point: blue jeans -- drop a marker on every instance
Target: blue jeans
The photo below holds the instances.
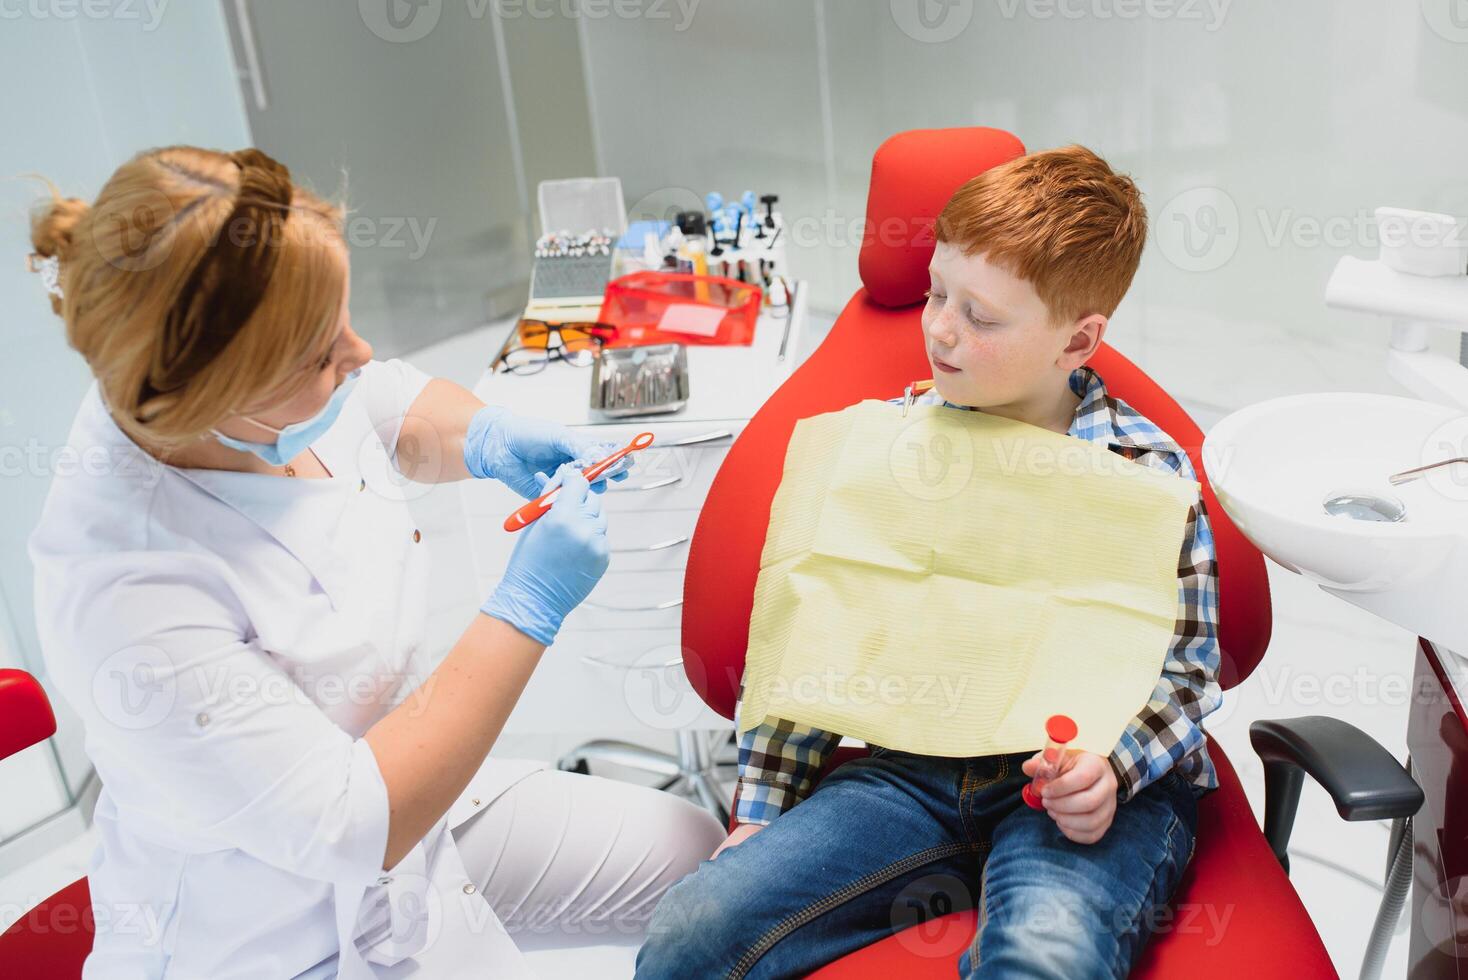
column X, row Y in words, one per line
column 895, row 840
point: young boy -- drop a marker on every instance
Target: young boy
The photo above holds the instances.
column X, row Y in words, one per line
column 1032, row 257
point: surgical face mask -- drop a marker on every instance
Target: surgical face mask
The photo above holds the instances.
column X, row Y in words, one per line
column 292, row 440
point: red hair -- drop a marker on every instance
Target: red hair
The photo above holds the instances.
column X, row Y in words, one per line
column 1062, row 220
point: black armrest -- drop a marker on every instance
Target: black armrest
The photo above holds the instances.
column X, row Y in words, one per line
column 1362, row 778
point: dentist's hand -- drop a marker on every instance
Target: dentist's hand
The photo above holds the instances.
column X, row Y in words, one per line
column 513, row 449
column 556, row 562
column 1082, row 799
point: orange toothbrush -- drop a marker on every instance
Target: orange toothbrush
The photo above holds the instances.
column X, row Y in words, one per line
column 532, row 512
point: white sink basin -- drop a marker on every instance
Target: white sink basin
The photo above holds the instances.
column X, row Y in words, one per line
column 1274, row 464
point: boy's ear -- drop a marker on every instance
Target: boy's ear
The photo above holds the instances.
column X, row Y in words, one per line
column 1085, row 337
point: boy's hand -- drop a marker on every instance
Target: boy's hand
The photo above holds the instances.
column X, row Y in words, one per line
column 1082, row 799
column 741, row 833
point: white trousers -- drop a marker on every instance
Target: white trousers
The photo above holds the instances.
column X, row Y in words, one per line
column 569, row 861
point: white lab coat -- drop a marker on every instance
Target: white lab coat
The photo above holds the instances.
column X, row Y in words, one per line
column 227, row 639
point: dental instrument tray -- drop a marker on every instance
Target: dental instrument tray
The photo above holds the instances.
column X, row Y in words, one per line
column 646, row 380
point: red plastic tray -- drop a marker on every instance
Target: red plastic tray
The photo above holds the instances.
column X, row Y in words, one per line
column 643, row 306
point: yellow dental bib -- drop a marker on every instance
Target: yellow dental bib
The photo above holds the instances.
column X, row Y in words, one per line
column 943, row 582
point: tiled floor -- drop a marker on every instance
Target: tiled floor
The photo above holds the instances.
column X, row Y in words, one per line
column 1337, row 865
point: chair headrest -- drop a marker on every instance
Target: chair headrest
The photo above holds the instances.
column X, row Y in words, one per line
column 913, row 176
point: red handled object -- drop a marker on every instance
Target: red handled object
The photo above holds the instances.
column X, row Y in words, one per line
column 531, row 512
column 1059, row 731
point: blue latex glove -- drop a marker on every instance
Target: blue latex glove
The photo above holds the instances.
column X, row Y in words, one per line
column 556, row 562
column 513, row 449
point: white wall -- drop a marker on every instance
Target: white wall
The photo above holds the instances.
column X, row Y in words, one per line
column 82, row 94
column 1254, row 128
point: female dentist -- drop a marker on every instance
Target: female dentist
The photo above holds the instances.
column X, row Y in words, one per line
column 231, row 593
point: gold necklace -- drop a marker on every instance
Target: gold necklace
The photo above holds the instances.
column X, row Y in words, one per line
column 291, row 470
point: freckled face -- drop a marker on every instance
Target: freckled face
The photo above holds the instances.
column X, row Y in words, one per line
column 988, row 334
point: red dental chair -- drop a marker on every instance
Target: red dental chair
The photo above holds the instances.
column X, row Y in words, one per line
column 51, row 941
column 873, row 351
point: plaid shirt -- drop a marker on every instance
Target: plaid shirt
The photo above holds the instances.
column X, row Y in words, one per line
column 778, row 763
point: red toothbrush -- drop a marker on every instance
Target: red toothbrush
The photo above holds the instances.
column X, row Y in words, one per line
column 532, row 511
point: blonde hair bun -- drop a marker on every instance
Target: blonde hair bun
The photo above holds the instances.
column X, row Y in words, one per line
column 53, row 223
column 148, row 270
